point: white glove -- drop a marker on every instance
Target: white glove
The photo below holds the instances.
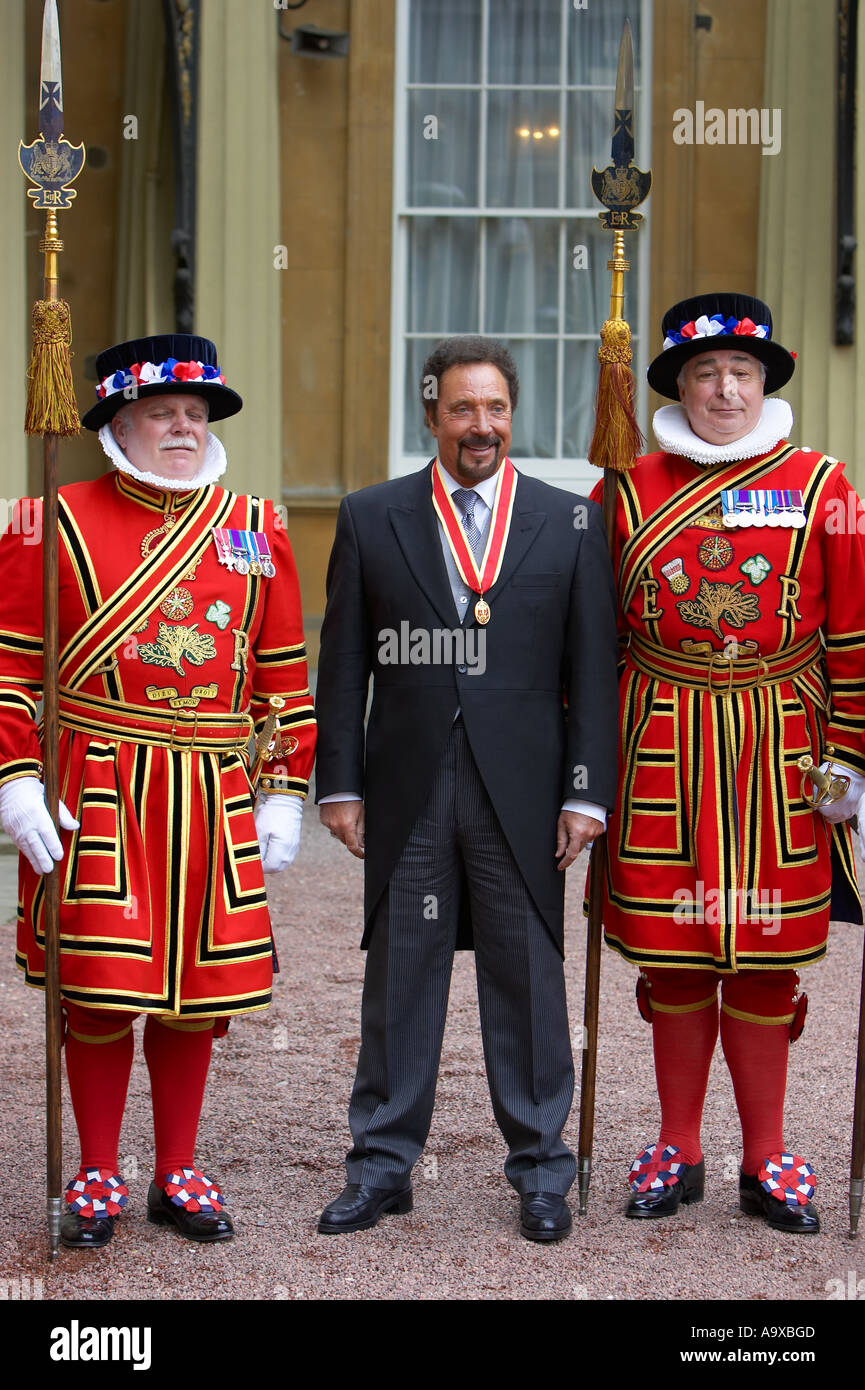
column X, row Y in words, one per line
column 277, row 824
column 24, row 816
column 845, row 806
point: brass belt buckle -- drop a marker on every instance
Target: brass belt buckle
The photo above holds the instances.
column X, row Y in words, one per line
column 710, row 685
column 187, row 745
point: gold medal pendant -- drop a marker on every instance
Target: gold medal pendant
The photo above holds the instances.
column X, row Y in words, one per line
column 482, row 611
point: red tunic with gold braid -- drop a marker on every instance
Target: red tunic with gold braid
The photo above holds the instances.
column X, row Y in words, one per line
column 167, row 661
column 744, row 650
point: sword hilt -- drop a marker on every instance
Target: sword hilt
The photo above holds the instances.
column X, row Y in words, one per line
column 265, row 744
column 826, row 786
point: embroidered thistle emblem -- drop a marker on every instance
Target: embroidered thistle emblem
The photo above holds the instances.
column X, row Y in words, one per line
column 175, row 643
column 716, row 601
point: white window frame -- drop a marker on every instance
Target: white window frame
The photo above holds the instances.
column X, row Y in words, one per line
column 576, row 474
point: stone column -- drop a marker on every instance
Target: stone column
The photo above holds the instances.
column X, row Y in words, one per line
column 796, row 264
column 237, row 294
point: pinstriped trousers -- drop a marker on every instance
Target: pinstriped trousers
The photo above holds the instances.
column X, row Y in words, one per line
column 521, row 995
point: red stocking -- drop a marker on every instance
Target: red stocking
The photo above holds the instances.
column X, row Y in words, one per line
column 684, row 1032
column 756, row 1014
column 99, row 1048
column 178, row 1061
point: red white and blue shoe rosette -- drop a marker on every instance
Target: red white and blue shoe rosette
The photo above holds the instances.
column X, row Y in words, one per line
column 193, row 1190
column 649, row 1173
column 96, row 1192
column 789, row 1178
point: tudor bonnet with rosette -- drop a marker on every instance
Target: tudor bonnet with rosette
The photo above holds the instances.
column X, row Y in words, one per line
column 732, row 322
column 156, row 366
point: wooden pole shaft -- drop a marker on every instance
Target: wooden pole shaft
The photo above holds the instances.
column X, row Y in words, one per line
column 51, row 245
column 857, row 1160
column 53, row 1109
column 594, row 933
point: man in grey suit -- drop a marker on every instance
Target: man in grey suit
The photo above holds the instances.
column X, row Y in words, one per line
column 482, row 603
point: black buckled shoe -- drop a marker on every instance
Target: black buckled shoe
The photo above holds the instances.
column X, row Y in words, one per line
column 191, row 1202
column 85, row 1232
column 660, row 1186
column 793, row 1180
column 544, row 1216
column 94, row 1197
column 359, row 1207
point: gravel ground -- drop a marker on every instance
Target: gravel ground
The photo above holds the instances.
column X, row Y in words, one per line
column 274, row 1133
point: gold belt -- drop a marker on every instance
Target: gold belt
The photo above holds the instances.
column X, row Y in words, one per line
column 721, row 673
column 182, row 731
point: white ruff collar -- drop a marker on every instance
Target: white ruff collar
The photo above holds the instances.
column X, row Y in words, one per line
column 675, row 435
column 215, row 464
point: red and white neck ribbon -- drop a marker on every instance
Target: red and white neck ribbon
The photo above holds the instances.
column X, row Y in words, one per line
column 483, row 576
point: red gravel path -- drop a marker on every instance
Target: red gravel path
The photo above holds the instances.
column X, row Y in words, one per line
column 274, row 1133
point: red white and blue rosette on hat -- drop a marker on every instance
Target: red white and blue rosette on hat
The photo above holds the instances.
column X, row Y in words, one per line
column 706, row 326
column 97, row 1192
column 193, row 1190
column 649, row 1173
column 152, row 373
column 789, row 1178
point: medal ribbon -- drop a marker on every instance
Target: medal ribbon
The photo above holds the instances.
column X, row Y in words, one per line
column 477, row 577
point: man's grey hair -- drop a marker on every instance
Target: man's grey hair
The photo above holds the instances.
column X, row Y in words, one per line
column 125, row 413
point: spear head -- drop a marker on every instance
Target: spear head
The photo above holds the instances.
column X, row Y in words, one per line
column 622, row 186
column 50, row 76
column 51, row 163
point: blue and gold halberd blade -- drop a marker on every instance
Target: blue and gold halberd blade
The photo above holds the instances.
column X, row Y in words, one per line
column 623, row 115
column 51, row 163
column 621, row 187
column 50, row 76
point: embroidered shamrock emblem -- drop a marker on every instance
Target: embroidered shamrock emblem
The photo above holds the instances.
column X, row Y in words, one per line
column 756, row 567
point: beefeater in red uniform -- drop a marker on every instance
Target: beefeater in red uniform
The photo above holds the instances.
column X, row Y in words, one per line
column 180, row 617
column 741, row 571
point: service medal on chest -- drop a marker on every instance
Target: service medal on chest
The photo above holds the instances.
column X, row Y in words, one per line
column 674, row 573
column 763, row 507
column 246, row 552
column 482, row 612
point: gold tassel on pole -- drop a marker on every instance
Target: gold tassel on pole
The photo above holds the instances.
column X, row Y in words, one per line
column 617, row 439
column 51, row 405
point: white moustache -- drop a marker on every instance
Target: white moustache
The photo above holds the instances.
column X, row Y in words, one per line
column 183, row 441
